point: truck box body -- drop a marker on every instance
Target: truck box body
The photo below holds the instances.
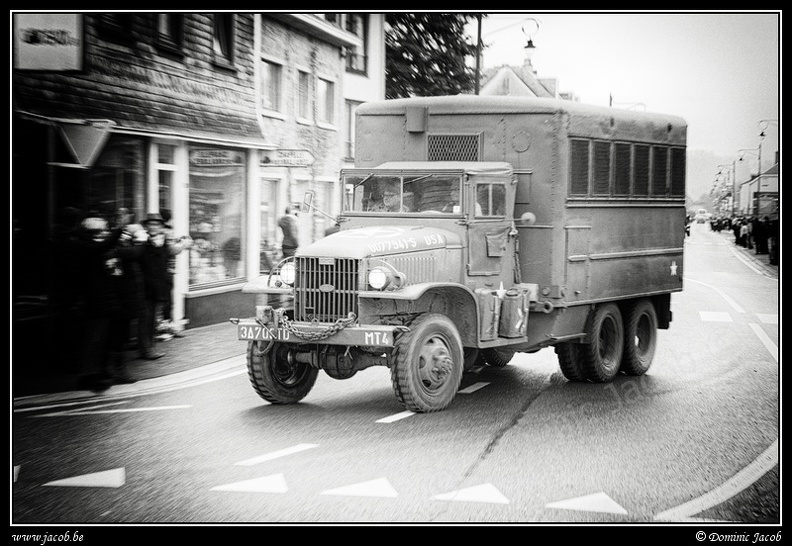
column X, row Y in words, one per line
column 584, row 246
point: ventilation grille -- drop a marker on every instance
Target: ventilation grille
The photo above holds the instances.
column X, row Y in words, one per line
column 454, row 147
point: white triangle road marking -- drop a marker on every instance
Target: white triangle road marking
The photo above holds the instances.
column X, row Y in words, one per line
column 479, row 493
column 715, row 316
column 16, row 472
column 374, row 488
column 108, row 478
column 267, row 484
column 597, row 502
column 395, row 417
column 276, row 454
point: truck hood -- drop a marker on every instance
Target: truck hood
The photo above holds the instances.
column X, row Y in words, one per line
column 380, row 241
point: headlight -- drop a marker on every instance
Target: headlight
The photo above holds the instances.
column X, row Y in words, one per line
column 378, row 278
column 288, row 273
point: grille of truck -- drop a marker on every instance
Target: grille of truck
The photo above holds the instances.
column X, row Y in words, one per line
column 326, row 289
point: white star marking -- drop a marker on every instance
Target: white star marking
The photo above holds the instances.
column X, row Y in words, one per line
column 673, row 268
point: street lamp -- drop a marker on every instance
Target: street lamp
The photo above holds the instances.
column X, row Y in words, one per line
column 529, row 47
column 764, row 124
column 758, row 153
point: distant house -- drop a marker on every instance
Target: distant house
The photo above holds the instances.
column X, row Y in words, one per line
column 521, row 81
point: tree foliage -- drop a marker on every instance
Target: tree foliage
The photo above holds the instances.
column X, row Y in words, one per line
column 426, row 55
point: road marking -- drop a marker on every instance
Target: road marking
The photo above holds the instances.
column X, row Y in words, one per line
column 16, row 471
column 767, row 319
column 276, row 454
column 395, row 417
column 374, row 488
column 275, row 483
column 108, row 478
column 730, row 301
column 731, row 487
column 597, row 502
column 93, row 411
column 766, row 341
column 715, row 316
column 487, row 493
column 474, row 387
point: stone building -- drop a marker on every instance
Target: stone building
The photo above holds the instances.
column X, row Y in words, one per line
column 218, row 120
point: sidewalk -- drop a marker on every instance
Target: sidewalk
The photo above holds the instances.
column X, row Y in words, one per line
column 760, row 262
column 199, row 347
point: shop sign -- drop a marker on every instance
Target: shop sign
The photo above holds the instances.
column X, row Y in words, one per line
column 288, row 158
column 48, row 41
column 215, row 157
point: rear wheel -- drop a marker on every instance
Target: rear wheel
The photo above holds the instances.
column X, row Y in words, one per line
column 640, row 337
column 603, row 354
column 427, row 364
column 276, row 375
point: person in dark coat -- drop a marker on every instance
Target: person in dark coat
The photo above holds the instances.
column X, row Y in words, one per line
column 290, row 229
column 131, row 249
column 101, row 274
column 155, row 275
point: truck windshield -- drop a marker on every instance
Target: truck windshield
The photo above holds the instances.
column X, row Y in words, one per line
column 398, row 193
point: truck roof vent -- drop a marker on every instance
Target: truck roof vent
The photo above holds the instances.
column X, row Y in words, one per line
column 454, row 147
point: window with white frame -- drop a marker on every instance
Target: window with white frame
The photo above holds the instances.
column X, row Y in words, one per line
column 326, row 101
column 271, row 85
column 170, row 31
column 356, row 56
column 304, row 95
column 350, row 107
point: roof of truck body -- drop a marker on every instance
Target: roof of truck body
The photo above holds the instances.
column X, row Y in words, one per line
column 469, row 167
column 478, row 104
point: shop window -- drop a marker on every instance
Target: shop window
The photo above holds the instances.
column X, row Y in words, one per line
column 117, row 179
column 268, row 252
column 217, row 216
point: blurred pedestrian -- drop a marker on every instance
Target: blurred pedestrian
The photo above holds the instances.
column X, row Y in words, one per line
column 131, row 249
column 101, row 274
column 291, row 234
column 155, row 271
column 166, row 326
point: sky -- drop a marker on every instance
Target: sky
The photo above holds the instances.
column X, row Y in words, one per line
column 717, row 70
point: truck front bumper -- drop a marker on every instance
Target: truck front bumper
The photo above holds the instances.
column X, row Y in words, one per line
column 364, row 336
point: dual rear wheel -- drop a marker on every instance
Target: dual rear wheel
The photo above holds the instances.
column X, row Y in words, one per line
column 617, row 344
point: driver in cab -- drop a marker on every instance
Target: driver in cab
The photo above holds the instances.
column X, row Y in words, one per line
column 391, row 200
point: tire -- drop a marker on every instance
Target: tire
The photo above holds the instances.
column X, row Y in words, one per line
column 640, row 337
column 569, row 360
column 276, row 376
column 497, row 358
column 603, row 354
column 426, row 364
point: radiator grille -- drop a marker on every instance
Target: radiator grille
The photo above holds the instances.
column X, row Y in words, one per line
column 326, row 289
column 453, row 148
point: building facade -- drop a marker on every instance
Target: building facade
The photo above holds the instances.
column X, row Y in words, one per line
column 218, row 121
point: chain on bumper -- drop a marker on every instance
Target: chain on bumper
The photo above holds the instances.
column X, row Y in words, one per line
column 325, row 333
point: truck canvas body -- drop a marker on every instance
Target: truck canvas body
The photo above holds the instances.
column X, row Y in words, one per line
column 567, row 232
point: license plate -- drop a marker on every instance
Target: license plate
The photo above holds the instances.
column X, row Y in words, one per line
column 255, row 333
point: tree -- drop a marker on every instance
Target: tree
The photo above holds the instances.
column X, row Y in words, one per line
column 426, row 54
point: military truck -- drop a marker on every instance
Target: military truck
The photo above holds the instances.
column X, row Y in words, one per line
column 475, row 228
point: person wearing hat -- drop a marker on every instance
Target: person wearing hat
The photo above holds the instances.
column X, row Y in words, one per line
column 154, row 266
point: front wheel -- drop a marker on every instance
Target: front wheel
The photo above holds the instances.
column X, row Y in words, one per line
column 276, row 375
column 427, row 363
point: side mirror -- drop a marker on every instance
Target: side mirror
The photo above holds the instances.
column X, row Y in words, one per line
column 307, row 201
